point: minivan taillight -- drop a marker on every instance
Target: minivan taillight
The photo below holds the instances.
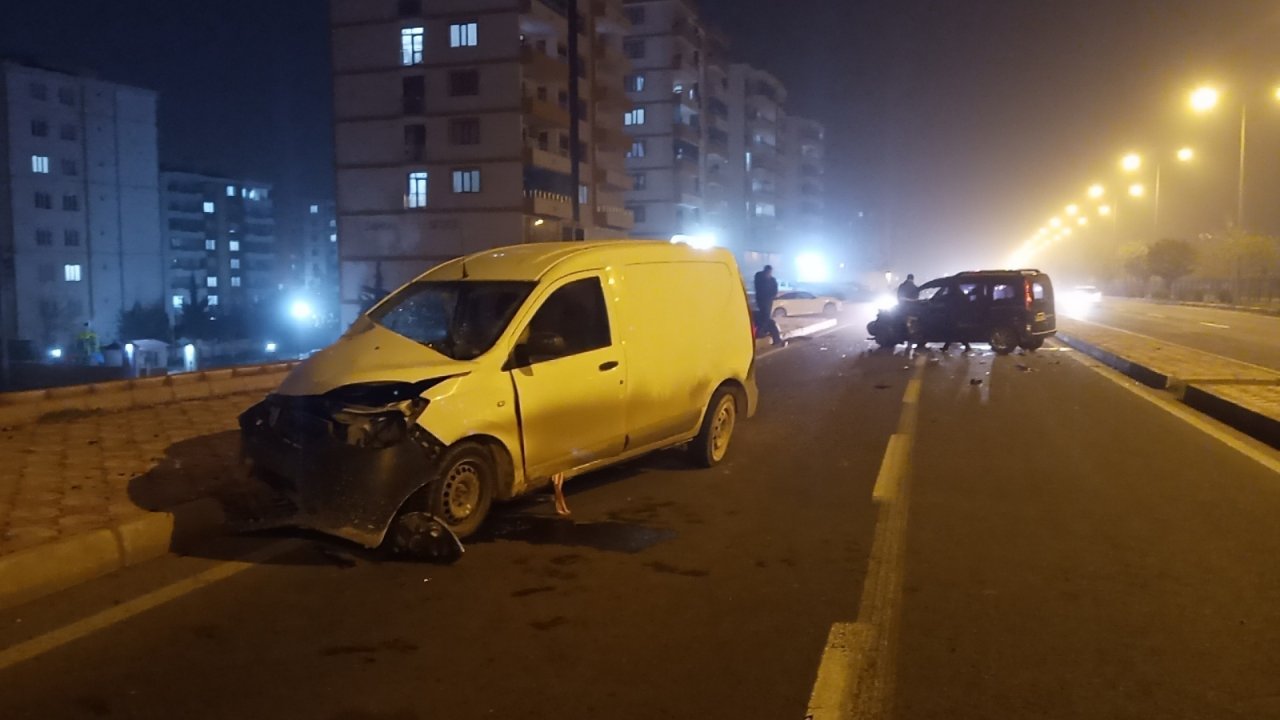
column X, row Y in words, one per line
column 1026, row 291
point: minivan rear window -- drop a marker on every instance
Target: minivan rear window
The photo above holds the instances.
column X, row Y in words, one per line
column 1037, row 291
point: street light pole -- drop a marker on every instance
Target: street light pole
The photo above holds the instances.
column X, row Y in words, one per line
column 1155, row 222
column 1240, row 186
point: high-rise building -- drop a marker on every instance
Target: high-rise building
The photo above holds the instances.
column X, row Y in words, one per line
column 753, row 172
column 79, row 205
column 454, row 131
column 665, row 117
column 221, row 245
column 803, row 149
column 317, row 263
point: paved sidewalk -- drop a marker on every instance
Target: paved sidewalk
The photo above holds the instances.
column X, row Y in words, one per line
column 63, row 477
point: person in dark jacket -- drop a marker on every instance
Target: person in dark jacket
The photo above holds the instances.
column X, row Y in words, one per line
column 766, row 293
column 908, row 290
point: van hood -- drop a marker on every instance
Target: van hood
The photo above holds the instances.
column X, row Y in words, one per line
column 370, row 353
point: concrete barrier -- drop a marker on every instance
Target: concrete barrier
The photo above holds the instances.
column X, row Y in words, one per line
column 33, row 405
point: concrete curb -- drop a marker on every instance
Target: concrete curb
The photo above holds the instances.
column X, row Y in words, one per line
column 1195, row 396
column 762, row 343
column 38, row 571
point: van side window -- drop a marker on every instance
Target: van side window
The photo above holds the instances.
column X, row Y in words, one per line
column 575, row 312
column 1004, row 293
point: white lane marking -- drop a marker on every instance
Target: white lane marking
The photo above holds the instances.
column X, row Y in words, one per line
column 1156, row 315
column 856, row 673
column 1180, row 345
column 1216, row 325
column 55, row 639
column 1242, row 444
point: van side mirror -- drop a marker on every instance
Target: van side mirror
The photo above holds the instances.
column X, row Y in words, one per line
column 541, row 345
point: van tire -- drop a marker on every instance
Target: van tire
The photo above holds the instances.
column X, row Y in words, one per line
column 1033, row 344
column 1004, row 339
column 711, row 446
column 462, row 491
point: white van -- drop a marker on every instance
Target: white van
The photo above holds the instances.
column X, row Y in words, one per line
column 486, row 375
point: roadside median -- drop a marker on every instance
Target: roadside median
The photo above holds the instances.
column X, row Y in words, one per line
column 1239, row 394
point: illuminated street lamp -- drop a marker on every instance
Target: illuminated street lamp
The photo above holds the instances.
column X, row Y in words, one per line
column 1137, row 190
column 1104, row 210
column 1073, row 209
column 1204, row 99
column 1096, row 191
column 1131, row 162
column 1055, row 222
column 1186, row 154
column 1082, row 221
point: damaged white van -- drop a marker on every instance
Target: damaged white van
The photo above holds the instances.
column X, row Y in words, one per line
column 486, row 375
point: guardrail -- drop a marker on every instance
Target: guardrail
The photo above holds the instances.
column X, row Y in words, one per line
column 36, row 405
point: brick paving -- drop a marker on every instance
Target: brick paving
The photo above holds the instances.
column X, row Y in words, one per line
column 79, row 473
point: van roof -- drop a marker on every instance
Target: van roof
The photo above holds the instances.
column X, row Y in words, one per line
column 533, row 260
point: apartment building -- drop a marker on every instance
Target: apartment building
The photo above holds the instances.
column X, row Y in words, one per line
column 317, row 262
column 803, row 149
column 753, row 173
column 665, row 118
column 221, row 246
column 455, row 124
column 79, row 206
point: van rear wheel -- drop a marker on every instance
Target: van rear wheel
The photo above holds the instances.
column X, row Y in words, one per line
column 718, row 423
column 1004, row 339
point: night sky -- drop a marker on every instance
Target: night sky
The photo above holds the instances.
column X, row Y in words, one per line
column 961, row 125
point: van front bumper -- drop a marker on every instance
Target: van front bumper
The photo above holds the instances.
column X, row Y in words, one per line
column 339, row 481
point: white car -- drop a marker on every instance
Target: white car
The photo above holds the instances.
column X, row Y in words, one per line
column 804, row 303
column 1088, row 294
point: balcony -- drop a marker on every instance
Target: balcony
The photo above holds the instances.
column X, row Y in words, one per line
column 614, row 217
column 615, row 178
column 547, row 204
column 545, row 113
column 534, row 157
column 541, row 66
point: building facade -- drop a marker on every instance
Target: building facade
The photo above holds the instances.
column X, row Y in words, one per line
column 665, row 118
column 753, row 173
column 803, row 208
column 221, row 243
column 317, row 264
column 454, row 127
column 79, row 206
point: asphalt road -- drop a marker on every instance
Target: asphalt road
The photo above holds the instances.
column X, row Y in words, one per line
column 1251, row 337
column 1073, row 550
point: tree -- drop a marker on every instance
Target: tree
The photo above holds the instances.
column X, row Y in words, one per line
column 1170, row 259
column 144, row 322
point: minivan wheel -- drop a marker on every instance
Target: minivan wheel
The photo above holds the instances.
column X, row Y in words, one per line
column 1033, row 344
column 1004, row 339
column 462, row 492
column 779, row 313
column 712, row 443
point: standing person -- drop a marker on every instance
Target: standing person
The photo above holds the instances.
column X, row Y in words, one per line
column 908, row 290
column 766, row 293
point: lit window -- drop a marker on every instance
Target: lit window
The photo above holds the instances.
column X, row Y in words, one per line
column 333, row 237
column 40, row 164
column 213, row 300
column 211, row 281
column 582, row 194
column 235, row 263
column 210, row 244
column 635, row 117
column 635, row 83
column 462, row 35
column 235, row 281
column 417, row 195
column 71, row 273
column 231, row 191
column 208, row 207
column 637, row 149
column 233, row 245
column 411, row 46
column 466, row 181
column 178, row 301
column 315, row 209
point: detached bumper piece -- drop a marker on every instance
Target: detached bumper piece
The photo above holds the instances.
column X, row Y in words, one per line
column 348, row 468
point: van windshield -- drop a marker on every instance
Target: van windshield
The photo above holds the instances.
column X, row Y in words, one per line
column 459, row 319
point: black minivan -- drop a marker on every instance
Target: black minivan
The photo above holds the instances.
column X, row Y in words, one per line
column 1007, row 308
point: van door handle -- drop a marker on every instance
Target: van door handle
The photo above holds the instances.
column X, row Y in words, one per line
column 607, row 366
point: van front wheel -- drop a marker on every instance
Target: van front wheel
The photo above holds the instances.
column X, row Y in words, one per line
column 463, row 491
column 712, row 443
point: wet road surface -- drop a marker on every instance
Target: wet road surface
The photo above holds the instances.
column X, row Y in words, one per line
column 1072, row 550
